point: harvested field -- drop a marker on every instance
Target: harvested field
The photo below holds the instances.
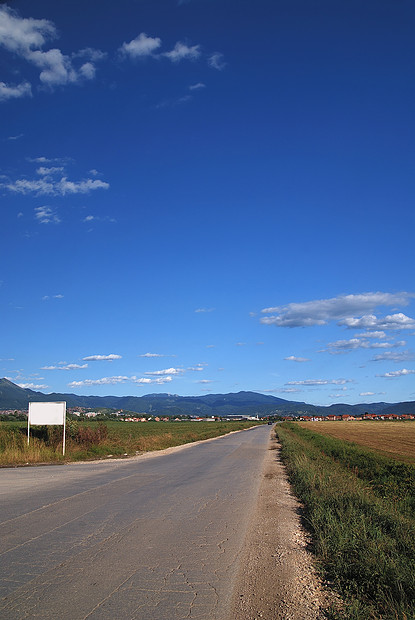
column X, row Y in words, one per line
column 396, row 439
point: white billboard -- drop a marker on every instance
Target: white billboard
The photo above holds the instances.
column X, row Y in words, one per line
column 47, row 413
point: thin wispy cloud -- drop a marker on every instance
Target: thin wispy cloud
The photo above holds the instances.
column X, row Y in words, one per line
column 293, row 358
column 46, row 215
column 345, row 346
column 203, row 310
column 65, row 367
column 102, row 358
column 217, row 61
column 394, row 356
column 318, row 382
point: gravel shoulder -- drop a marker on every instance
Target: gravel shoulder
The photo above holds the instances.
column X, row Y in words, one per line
column 278, row 578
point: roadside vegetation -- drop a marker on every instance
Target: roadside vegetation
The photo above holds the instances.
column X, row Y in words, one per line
column 359, row 506
column 92, row 440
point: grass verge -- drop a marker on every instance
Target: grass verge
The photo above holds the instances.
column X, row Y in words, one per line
column 359, row 508
column 92, row 440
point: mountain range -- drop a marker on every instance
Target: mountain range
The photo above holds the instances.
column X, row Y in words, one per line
column 13, row 396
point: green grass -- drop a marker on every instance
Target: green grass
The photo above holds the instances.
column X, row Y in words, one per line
column 91, row 440
column 359, row 508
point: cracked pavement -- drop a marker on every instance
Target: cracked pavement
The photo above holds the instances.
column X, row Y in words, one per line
column 143, row 538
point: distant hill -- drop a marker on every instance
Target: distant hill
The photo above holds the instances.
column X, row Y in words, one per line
column 247, row 403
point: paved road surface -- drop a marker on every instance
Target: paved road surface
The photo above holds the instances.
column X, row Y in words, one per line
column 146, row 539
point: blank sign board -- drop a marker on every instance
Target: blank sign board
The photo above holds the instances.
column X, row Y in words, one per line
column 47, row 413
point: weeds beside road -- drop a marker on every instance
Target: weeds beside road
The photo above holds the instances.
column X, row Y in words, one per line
column 92, row 440
column 359, row 507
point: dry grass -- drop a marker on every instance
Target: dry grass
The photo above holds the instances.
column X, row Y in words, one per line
column 396, row 439
column 91, row 442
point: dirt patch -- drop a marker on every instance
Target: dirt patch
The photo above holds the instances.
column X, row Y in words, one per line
column 278, row 579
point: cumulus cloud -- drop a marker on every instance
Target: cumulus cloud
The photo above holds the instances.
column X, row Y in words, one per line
column 141, row 46
column 293, row 358
column 25, row 37
column 99, row 358
column 389, row 322
column 46, row 215
column 9, row 91
column 166, row 371
column 48, row 186
column 375, row 334
column 342, row 308
column 181, row 51
column 397, row 373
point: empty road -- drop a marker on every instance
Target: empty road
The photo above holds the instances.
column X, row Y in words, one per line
column 147, row 538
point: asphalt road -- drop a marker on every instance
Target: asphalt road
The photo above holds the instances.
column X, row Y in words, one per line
column 155, row 538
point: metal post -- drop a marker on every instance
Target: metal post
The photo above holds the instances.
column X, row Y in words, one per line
column 64, row 427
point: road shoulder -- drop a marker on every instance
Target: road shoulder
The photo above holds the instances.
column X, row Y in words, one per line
column 277, row 578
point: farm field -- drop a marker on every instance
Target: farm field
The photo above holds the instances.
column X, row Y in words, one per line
column 359, row 507
column 91, row 440
column 396, row 439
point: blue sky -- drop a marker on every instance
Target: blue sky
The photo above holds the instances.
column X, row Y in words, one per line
column 208, row 196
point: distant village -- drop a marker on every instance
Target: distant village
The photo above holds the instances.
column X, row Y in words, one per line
column 130, row 416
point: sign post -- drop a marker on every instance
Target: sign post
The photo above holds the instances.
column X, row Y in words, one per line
column 49, row 414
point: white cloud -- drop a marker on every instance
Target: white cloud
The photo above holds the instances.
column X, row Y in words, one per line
column 204, row 381
column 26, row 37
column 198, row 310
column 197, row 86
column 397, row 373
column 154, row 355
column 66, row 367
column 51, row 187
column 8, row 91
column 197, row 368
column 119, row 379
column 46, row 297
column 166, row 371
column 140, row 46
column 375, row 334
column 216, row 61
column 293, row 358
column 344, row 346
column 389, row 322
column 181, row 51
column 98, row 358
column 315, row 382
column 47, row 172
column 32, row 386
column 393, row 356
column 366, row 393
column 46, row 215
column 240, row 344
column 341, row 308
